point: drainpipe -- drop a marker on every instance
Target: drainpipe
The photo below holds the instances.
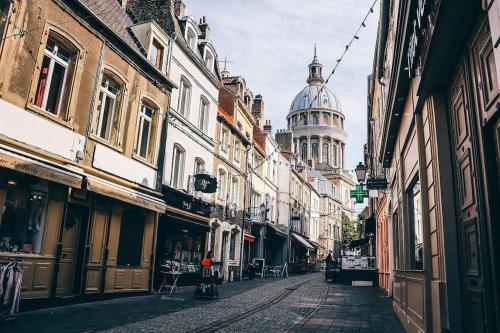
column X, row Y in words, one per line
column 245, row 199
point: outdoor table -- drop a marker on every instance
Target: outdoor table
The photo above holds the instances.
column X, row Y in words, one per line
column 175, row 277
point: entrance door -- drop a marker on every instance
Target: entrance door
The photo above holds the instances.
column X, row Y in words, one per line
column 469, row 224
column 96, row 249
column 75, row 217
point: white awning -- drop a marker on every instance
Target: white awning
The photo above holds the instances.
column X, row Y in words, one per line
column 30, row 164
column 126, row 194
column 302, row 241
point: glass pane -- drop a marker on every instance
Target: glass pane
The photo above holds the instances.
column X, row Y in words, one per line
column 144, row 138
column 4, row 12
column 42, row 82
column 56, row 89
column 107, row 118
column 417, row 225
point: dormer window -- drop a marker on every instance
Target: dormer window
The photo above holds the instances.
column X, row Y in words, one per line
column 191, row 39
column 209, row 60
column 156, row 54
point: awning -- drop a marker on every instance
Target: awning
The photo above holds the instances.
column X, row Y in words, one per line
column 192, row 222
column 126, row 194
column 276, row 230
column 27, row 163
column 249, row 238
column 302, row 241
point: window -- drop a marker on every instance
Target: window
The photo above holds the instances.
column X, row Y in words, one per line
column 304, row 152
column 275, row 168
column 237, row 151
column 314, row 149
column 334, row 154
column 145, row 143
column 4, row 14
column 156, row 54
column 235, row 188
column 55, row 77
column 23, row 214
column 315, row 119
column 184, row 97
column 209, row 60
column 177, row 177
column 131, row 238
column 204, row 115
column 221, row 189
column 232, row 244
column 416, row 232
column 108, row 109
column 191, row 39
column 304, row 119
column 199, row 165
column 224, row 140
column 326, row 156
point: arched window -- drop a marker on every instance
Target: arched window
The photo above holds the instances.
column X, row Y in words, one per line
column 56, row 75
column 109, row 108
column 334, row 155
column 314, row 151
column 315, row 119
column 184, row 97
column 221, row 184
column 199, row 165
column 304, row 152
column 326, row 119
column 204, row 114
column 178, row 157
column 145, row 143
column 209, row 60
column 326, row 156
column 191, row 39
column 303, row 117
column 235, row 190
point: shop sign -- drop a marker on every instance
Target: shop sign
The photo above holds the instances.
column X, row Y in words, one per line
column 37, row 169
column 205, row 183
column 186, row 202
column 359, row 194
column 376, row 183
column 421, row 30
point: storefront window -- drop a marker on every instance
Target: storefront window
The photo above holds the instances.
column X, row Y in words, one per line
column 232, row 245
column 185, row 250
column 416, row 225
column 22, row 215
column 131, row 238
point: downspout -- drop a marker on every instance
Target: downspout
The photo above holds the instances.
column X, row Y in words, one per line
column 245, row 199
column 384, row 20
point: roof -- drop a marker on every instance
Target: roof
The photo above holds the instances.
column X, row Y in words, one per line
column 224, row 113
column 114, row 17
column 325, row 100
column 230, row 79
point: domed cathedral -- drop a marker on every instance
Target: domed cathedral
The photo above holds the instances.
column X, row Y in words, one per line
column 318, row 132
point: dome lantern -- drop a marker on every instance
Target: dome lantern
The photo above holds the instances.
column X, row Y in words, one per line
column 315, row 69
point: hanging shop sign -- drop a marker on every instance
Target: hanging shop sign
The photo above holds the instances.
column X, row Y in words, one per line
column 379, row 183
column 359, row 194
column 421, row 27
column 205, row 183
column 186, row 202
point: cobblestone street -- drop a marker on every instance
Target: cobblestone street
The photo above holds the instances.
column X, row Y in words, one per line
column 303, row 303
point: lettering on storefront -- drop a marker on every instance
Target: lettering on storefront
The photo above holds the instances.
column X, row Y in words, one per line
column 13, row 163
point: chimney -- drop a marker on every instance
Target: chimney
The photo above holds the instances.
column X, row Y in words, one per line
column 284, row 139
column 179, row 8
column 204, row 27
column 268, row 128
column 258, row 109
column 310, row 162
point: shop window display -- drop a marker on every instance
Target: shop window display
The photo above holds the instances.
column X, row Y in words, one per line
column 22, row 216
column 131, row 239
column 185, row 250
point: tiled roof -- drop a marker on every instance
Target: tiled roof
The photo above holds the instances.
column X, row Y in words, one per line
column 115, row 17
column 230, row 79
column 225, row 114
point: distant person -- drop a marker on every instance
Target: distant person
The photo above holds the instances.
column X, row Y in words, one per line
column 329, row 267
column 207, row 261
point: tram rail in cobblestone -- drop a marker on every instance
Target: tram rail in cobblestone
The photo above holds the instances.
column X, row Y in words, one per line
column 231, row 320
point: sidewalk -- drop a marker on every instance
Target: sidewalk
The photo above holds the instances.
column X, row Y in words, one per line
column 96, row 316
column 348, row 309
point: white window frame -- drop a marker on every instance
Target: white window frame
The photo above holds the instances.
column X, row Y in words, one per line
column 106, row 93
column 54, row 58
column 191, row 39
column 142, row 118
column 221, row 190
column 224, row 139
column 177, row 182
column 236, row 151
column 235, row 188
column 209, row 60
column 204, row 114
column 184, row 101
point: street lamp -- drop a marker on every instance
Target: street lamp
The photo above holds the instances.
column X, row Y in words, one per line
column 360, row 172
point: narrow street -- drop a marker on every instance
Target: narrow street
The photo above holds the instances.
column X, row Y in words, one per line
column 303, row 303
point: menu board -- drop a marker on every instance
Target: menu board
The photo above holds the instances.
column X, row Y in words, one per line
column 259, row 265
column 355, row 262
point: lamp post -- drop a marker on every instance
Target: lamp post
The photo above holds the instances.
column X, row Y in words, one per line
column 360, row 172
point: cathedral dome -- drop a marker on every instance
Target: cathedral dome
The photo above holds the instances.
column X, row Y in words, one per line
column 325, row 100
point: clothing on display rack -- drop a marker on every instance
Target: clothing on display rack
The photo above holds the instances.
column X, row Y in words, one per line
column 11, row 278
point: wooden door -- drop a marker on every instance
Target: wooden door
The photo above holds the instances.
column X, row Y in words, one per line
column 69, row 246
column 96, row 247
column 469, row 222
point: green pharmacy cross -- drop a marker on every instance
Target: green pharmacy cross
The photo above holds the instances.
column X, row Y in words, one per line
column 359, row 193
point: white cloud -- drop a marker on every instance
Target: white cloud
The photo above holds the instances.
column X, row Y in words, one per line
column 271, row 43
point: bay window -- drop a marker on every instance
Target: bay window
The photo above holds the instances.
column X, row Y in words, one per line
column 56, row 75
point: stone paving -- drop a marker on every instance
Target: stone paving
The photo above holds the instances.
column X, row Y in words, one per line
column 348, row 309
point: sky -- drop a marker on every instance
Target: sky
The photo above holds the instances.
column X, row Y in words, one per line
column 271, row 42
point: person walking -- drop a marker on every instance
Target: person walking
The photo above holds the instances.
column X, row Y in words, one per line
column 329, row 266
